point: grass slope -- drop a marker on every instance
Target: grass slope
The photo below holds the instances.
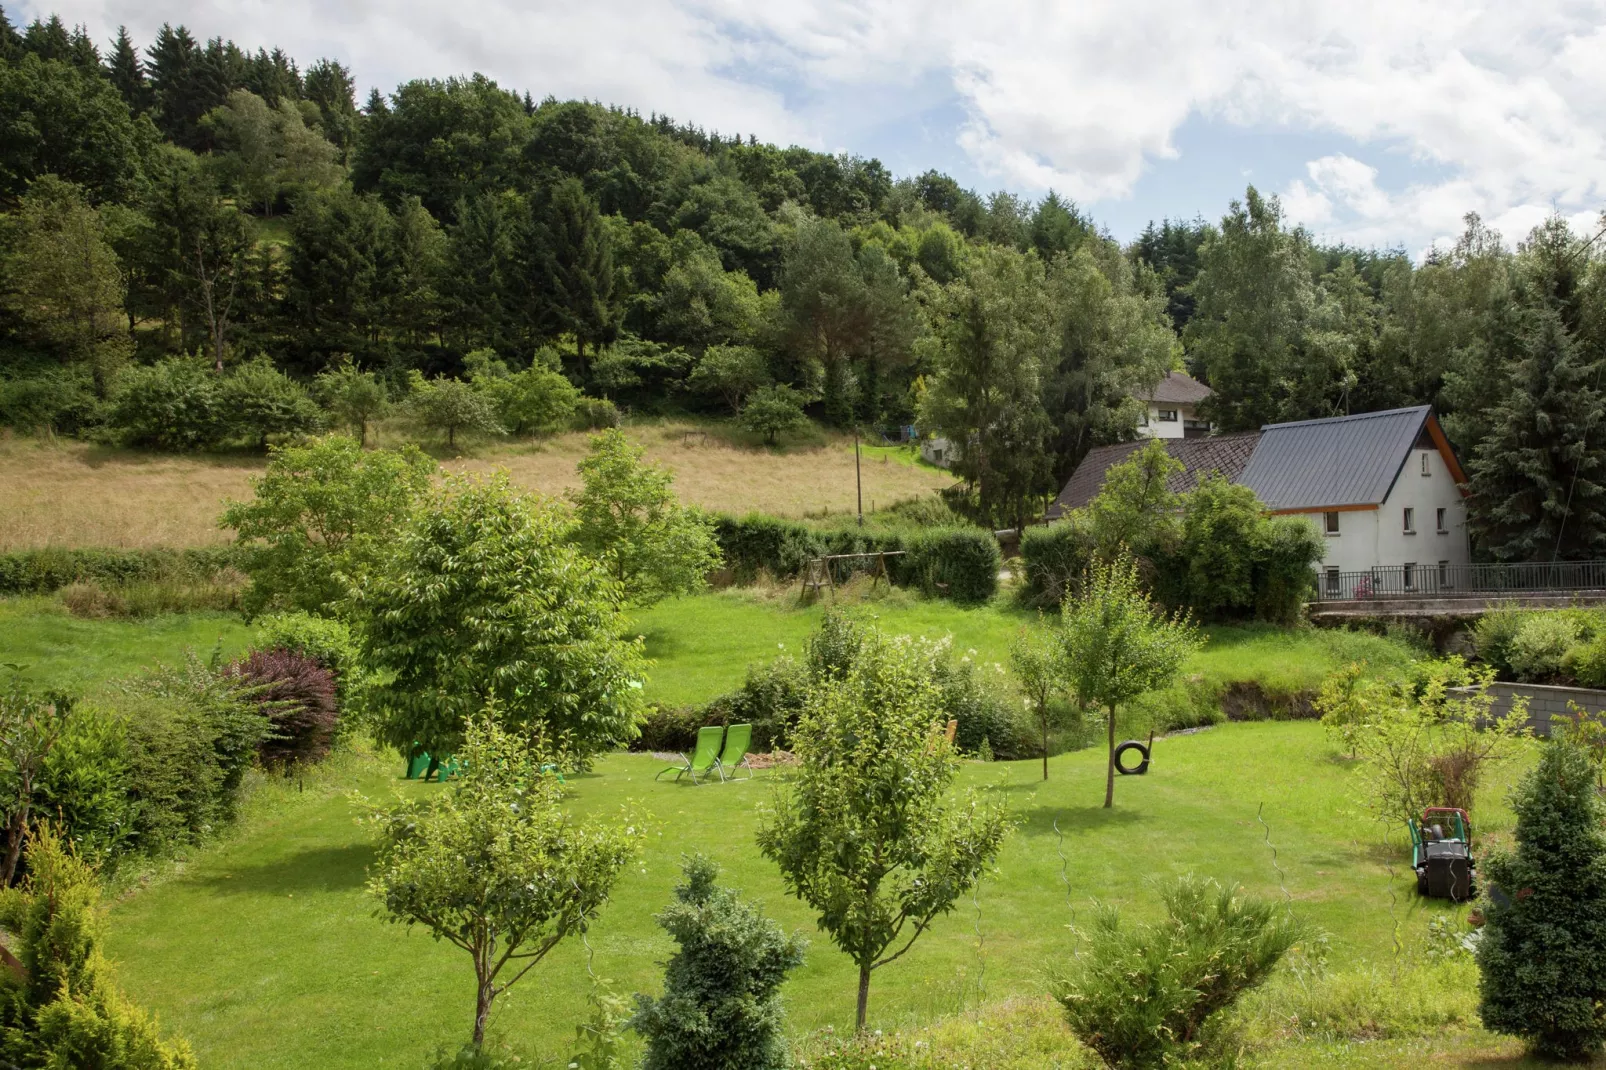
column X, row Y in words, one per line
column 65, row 493
column 264, row 952
column 60, row 650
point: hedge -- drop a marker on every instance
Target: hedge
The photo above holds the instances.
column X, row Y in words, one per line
column 44, row 571
column 954, row 562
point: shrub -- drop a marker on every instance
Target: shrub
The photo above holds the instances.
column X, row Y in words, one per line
column 957, row 563
column 260, row 402
column 1493, row 635
column 64, row 1010
column 451, row 406
column 670, row 729
column 1054, row 558
column 327, row 641
column 44, row 571
column 1286, row 552
column 773, row 411
column 1543, row 952
column 1145, row 995
column 58, row 400
column 1542, row 640
column 191, row 738
column 297, row 695
column 595, row 414
column 721, row 1005
column 756, row 544
column 1586, row 662
column 176, row 404
column 85, row 785
column 977, row 697
column 771, row 699
column 535, row 401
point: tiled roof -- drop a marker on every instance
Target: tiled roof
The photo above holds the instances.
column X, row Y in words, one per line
column 1177, row 388
column 1344, row 460
column 1227, row 454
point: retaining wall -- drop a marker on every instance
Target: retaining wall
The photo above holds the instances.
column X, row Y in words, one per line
column 1546, row 702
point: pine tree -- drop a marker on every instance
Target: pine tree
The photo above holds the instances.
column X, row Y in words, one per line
column 127, row 73
column 1539, row 476
column 721, row 1007
column 49, row 39
column 10, row 40
column 1543, row 951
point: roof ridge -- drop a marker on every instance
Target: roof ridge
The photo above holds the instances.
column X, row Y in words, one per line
column 1424, row 409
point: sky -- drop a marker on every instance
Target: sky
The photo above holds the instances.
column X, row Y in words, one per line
column 1376, row 123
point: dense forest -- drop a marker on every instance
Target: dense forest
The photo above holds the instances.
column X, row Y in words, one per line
column 191, row 220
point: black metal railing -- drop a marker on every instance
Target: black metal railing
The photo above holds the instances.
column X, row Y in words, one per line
column 1432, row 580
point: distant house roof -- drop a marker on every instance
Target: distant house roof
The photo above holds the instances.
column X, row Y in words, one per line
column 1341, row 461
column 1226, row 454
column 1177, row 388
column 1312, row 465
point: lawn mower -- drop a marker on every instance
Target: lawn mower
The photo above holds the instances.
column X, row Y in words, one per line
column 1441, row 853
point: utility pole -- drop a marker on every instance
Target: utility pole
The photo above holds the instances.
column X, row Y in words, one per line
column 858, row 477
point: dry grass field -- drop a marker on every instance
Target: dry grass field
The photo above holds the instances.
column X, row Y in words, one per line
column 66, row 493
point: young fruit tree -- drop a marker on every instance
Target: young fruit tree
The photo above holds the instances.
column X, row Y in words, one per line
column 1543, row 951
column 630, row 520
column 1117, row 646
column 721, row 1007
column 494, row 866
column 485, row 598
column 1035, row 657
column 867, row 835
column 451, row 405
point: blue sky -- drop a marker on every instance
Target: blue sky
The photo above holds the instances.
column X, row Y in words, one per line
column 1378, row 122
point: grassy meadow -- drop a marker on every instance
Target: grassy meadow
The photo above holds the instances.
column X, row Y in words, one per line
column 71, row 494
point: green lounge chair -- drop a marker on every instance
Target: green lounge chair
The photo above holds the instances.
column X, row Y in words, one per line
column 704, row 759
column 738, row 737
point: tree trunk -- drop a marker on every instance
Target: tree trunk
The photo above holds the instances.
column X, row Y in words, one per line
column 1109, row 772
column 482, row 1010
column 864, row 996
column 1042, row 711
column 19, row 825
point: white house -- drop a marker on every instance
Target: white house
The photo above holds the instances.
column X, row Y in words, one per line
column 1384, row 489
column 1171, row 408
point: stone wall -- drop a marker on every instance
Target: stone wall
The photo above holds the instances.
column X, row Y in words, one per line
column 1546, row 702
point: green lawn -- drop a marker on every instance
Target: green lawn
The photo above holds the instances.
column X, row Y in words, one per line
column 60, row 650
column 263, row 949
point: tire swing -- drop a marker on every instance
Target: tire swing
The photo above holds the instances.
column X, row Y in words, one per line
column 1126, row 748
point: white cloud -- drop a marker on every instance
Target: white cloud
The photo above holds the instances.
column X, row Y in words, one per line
column 1505, row 103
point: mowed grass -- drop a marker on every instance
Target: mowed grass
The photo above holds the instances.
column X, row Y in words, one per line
column 70, row 494
column 59, row 650
column 263, row 950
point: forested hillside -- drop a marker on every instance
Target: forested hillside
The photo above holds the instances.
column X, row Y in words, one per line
column 206, row 246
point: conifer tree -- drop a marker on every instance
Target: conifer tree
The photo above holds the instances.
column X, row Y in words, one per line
column 127, row 72
column 579, row 268
column 1543, row 951
column 721, row 1007
column 1539, row 476
column 10, row 40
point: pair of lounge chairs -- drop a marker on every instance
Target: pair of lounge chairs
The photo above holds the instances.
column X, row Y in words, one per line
column 710, row 757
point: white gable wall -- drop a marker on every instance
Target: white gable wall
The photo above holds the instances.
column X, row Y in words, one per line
column 1368, row 538
column 1154, row 427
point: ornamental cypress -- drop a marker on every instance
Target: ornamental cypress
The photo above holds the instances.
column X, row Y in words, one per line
column 721, row 1006
column 1543, row 952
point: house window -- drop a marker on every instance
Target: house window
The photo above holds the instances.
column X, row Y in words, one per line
column 1334, row 584
column 1410, row 575
column 1427, row 469
column 1168, row 416
column 1439, row 518
column 1410, row 521
column 1444, row 575
column 1330, row 522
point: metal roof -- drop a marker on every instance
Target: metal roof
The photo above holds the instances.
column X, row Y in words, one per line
column 1343, row 460
column 1226, row 454
column 1177, row 388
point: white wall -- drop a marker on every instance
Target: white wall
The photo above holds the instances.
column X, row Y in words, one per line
column 1154, row 427
column 1371, row 537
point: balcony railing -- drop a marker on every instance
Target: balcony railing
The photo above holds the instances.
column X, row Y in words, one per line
column 1432, row 580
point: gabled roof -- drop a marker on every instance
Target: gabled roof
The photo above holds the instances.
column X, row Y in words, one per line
column 1336, row 462
column 1226, row 454
column 1177, row 388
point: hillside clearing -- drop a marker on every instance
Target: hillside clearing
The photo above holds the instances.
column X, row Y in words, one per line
column 71, row 494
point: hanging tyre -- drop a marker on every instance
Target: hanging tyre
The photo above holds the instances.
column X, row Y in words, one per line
column 1127, row 748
